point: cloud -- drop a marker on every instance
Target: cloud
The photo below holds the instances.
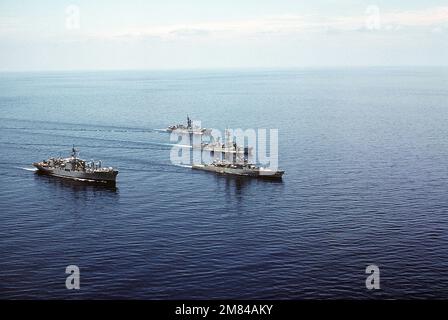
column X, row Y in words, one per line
column 419, row 18
column 433, row 20
column 188, row 32
column 9, row 24
column 438, row 30
column 288, row 24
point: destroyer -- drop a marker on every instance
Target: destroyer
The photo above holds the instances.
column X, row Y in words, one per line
column 240, row 169
column 77, row 169
column 188, row 129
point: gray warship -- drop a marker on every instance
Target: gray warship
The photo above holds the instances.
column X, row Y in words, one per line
column 188, row 129
column 229, row 146
column 225, row 148
column 240, row 169
column 77, row 169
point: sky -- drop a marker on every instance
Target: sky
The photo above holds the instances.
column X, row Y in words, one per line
column 211, row 34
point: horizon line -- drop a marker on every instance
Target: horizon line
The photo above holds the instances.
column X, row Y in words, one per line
column 221, row 68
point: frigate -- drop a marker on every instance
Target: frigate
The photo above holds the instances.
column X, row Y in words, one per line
column 188, row 129
column 77, row 169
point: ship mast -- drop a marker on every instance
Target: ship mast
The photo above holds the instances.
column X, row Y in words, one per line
column 188, row 122
column 74, row 152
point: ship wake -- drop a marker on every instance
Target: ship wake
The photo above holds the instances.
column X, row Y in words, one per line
column 183, row 166
column 27, row 169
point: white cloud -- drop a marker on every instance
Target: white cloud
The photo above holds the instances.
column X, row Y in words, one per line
column 419, row 18
column 431, row 19
column 426, row 19
column 9, row 24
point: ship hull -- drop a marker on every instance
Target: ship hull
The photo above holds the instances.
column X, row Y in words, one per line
column 104, row 177
column 265, row 174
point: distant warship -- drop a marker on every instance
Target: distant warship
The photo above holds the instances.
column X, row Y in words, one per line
column 189, row 128
column 77, row 169
column 228, row 146
column 240, row 169
column 225, row 148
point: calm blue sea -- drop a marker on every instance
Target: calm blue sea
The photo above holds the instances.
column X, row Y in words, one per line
column 366, row 158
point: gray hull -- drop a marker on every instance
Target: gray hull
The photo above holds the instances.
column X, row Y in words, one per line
column 109, row 177
column 262, row 174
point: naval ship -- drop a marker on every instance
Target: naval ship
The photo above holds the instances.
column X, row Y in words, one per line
column 188, row 129
column 240, row 169
column 77, row 169
column 228, row 146
column 225, row 148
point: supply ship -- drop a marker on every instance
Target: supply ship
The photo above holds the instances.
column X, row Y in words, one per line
column 77, row 169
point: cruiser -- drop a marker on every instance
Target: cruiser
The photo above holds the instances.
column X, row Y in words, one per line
column 77, row 169
column 189, row 128
column 240, row 169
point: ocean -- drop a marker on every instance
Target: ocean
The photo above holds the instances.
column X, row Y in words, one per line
column 365, row 154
